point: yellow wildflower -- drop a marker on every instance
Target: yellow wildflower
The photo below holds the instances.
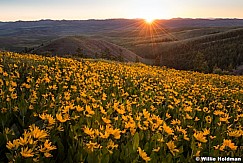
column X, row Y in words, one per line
column 216, row 147
column 206, row 131
column 212, row 137
column 197, row 154
column 13, row 145
column 196, row 119
column 91, row 146
column 48, row 117
column 102, row 110
column 37, row 133
column 104, row 136
column 107, row 121
column 174, row 122
column 200, row 136
column 46, row 154
column 188, row 109
column 25, row 139
column 25, row 152
column 218, row 112
column 156, row 149
column 89, row 110
column 116, row 133
column 143, row 155
column 167, row 115
column 172, row 147
column 208, row 119
column 225, row 118
column 79, row 108
column 228, row 143
column 48, row 145
column 60, row 128
column 167, row 129
column 185, row 137
column 206, row 110
column 88, row 131
column 62, row 119
column 146, row 114
column 111, row 145
column 236, row 133
column 188, row 116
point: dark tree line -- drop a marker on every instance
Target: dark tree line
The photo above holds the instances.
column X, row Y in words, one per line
column 222, row 51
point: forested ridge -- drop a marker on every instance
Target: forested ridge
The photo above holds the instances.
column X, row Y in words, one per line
column 224, row 51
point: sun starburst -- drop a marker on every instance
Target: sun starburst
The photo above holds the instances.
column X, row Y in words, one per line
column 149, row 20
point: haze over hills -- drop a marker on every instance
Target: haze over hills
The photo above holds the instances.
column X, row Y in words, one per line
column 177, row 43
column 17, row 35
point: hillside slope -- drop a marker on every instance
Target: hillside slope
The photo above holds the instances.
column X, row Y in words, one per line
column 86, row 47
column 55, row 109
column 223, row 50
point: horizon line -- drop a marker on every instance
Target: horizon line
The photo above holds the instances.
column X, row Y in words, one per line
column 103, row 19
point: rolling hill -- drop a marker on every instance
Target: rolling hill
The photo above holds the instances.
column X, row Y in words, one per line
column 88, row 48
column 222, row 49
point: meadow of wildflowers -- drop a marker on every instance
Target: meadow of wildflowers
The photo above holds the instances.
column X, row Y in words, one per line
column 65, row 110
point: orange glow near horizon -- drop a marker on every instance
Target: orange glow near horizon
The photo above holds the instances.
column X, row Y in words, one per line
column 146, row 32
column 150, row 32
column 149, row 20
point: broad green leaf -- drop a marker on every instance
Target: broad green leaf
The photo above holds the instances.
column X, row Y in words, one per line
column 135, row 142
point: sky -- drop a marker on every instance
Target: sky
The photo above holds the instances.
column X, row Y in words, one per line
column 13, row 10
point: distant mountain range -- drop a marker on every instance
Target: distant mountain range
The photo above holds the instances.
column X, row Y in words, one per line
column 15, row 36
column 71, row 27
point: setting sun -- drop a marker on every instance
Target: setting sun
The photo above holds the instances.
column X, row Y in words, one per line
column 149, row 20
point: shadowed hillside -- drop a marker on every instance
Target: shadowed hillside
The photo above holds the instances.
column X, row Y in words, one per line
column 87, row 48
column 204, row 53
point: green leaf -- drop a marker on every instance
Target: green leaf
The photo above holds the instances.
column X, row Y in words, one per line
column 105, row 158
column 60, row 149
column 146, row 146
column 92, row 157
column 193, row 144
column 141, row 135
column 181, row 150
column 135, row 142
column 169, row 158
